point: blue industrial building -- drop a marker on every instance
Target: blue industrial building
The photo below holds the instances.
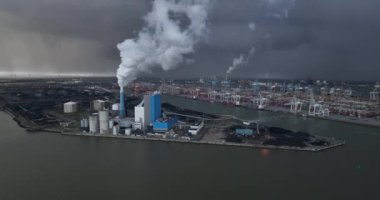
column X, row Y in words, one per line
column 163, row 125
column 148, row 112
column 155, row 107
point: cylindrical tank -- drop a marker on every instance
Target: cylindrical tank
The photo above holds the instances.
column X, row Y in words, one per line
column 70, row 107
column 103, row 115
column 98, row 105
column 128, row 131
column 110, row 124
column 85, row 123
column 82, row 123
column 103, row 121
column 93, row 122
column 115, row 130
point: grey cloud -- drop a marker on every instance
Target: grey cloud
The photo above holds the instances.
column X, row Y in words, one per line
column 324, row 39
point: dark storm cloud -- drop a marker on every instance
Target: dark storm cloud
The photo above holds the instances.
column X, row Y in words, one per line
column 322, row 39
column 65, row 36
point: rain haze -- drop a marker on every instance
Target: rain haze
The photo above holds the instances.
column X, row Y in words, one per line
column 326, row 39
column 189, row 99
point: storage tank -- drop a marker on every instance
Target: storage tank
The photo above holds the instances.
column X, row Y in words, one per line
column 70, row 107
column 103, row 121
column 98, row 105
column 93, row 122
column 115, row 130
column 82, row 124
column 110, row 124
column 128, row 131
column 85, row 123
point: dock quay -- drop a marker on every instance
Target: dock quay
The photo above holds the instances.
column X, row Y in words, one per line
column 336, row 118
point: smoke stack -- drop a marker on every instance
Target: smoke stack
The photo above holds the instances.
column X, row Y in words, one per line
column 122, row 113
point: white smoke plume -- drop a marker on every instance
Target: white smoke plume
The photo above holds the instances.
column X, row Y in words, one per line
column 172, row 30
column 235, row 63
column 276, row 8
column 241, row 60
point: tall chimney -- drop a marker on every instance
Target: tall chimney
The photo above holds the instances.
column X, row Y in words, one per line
column 122, row 113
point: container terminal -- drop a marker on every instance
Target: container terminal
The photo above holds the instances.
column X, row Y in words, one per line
column 96, row 107
column 349, row 102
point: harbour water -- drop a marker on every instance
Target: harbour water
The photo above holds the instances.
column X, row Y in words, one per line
column 52, row 166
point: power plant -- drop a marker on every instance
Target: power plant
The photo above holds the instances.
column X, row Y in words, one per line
column 139, row 111
column 146, row 114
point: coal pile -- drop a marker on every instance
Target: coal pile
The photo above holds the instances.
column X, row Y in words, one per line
column 285, row 142
column 171, row 108
column 234, row 138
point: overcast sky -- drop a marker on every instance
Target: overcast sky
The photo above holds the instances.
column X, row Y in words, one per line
column 325, row 39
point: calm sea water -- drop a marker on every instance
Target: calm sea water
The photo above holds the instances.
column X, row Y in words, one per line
column 51, row 166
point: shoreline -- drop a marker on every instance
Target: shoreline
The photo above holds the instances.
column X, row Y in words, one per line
column 337, row 118
column 27, row 128
column 144, row 138
column 32, row 129
column 254, row 146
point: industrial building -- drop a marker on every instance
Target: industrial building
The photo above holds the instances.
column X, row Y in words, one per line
column 147, row 113
column 149, row 110
column 140, row 114
column 115, row 107
column 164, row 125
column 245, row 132
column 155, row 106
column 195, row 129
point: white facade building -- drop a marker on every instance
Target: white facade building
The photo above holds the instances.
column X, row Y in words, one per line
column 116, row 107
column 140, row 113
